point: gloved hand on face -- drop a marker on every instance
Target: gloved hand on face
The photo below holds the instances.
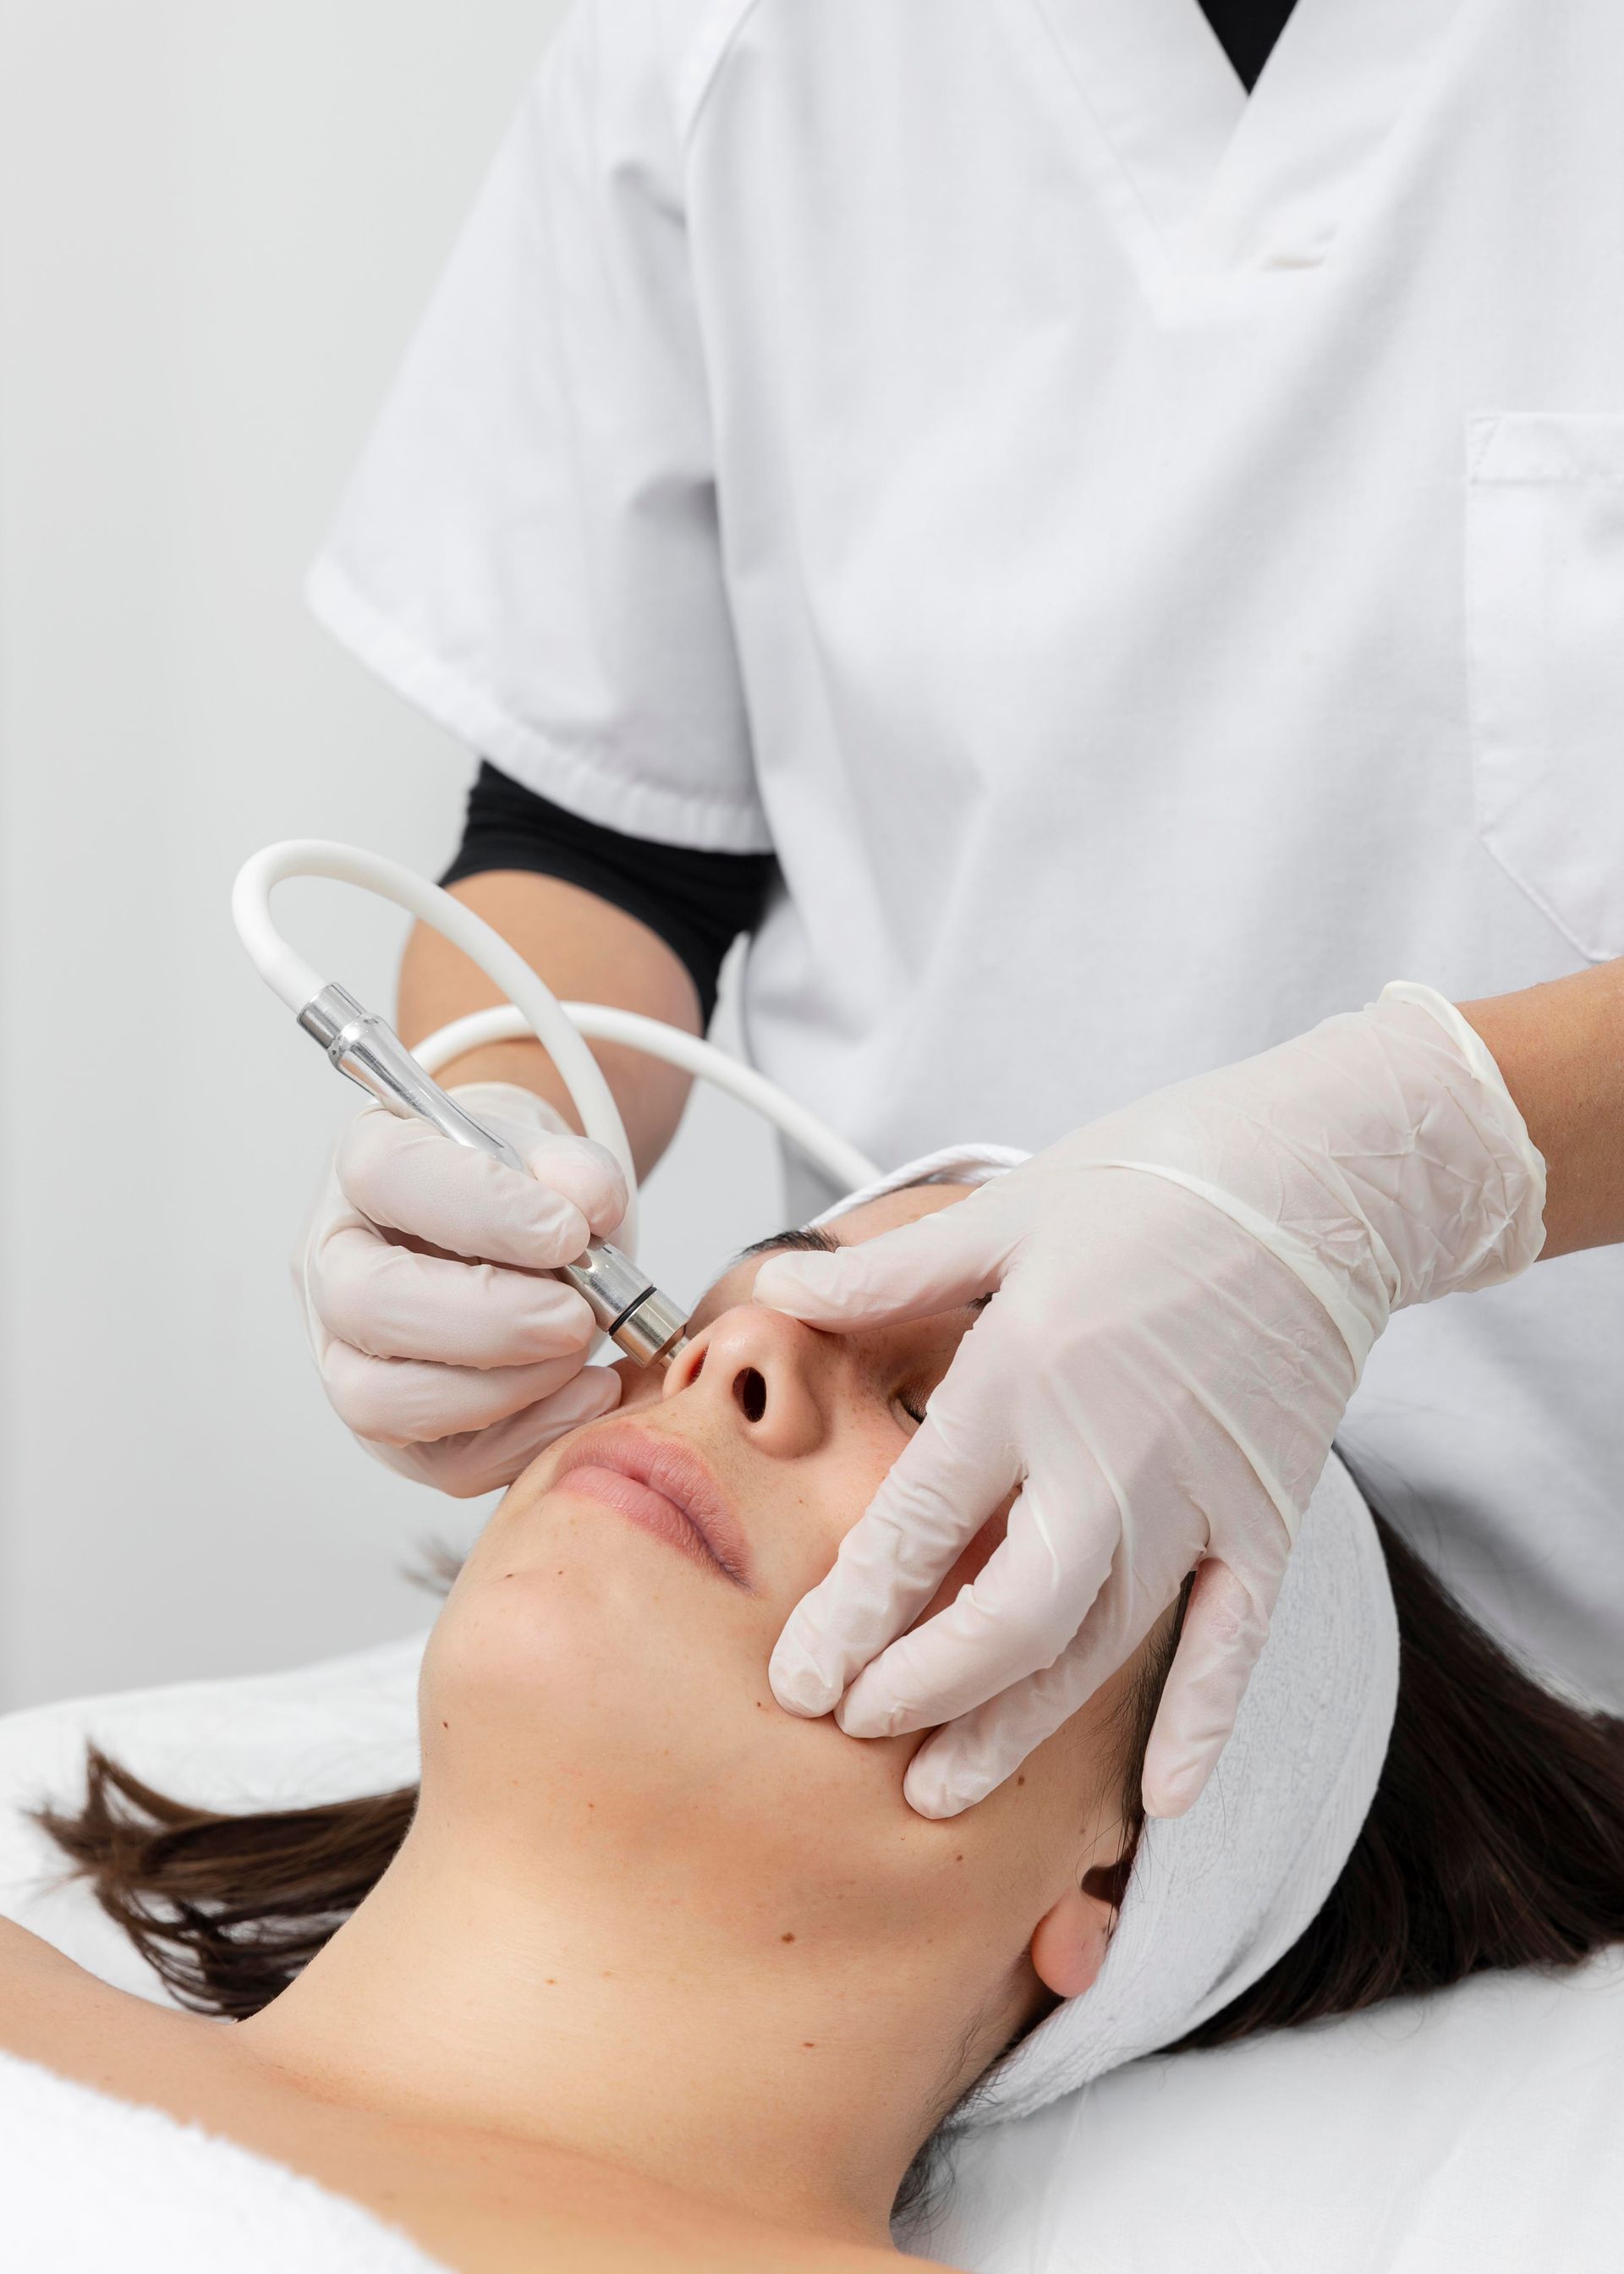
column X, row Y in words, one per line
column 455, row 1371
column 1182, row 1296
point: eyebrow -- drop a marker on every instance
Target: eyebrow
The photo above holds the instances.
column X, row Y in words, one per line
column 802, row 1236
column 818, row 1237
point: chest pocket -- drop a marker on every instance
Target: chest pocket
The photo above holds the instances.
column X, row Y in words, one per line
column 1544, row 630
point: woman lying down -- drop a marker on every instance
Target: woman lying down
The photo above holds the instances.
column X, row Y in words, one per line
column 650, row 1972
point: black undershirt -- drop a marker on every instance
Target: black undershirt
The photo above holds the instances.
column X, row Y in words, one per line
column 1248, row 30
column 698, row 903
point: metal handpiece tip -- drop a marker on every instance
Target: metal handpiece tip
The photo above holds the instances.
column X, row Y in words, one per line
column 653, row 1331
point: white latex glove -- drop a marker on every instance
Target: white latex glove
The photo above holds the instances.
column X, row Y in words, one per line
column 1183, row 1297
column 456, row 1371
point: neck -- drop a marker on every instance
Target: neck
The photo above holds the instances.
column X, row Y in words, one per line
column 612, row 2021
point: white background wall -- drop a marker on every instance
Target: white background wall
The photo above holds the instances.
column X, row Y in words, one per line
column 218, row 221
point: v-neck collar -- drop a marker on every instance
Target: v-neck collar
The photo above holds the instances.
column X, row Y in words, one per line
column 1229, row 182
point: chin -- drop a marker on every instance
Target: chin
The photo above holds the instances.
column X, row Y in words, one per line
column 584, row 1680
column 581, row 1674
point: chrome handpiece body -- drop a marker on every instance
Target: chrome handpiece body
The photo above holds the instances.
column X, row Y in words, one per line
column 648, row 1326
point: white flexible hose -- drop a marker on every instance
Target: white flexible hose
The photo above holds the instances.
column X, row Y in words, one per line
column 289, row 976
column 601, row 1022
column 531, row 1009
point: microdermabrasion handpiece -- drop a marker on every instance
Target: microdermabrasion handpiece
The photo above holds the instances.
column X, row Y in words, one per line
column 637, row 1318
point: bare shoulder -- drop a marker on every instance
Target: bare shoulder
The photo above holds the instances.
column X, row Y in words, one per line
column 54, row 2012
column 45, row 1999
column 27, row 1963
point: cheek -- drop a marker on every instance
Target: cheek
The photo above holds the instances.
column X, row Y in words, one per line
column 640, row 1385
column 572, row 1637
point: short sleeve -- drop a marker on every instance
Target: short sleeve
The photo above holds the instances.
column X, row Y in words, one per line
column 528, row 548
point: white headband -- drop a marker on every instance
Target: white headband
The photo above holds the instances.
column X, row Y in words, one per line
column 949, row 1164
column 1217, row 1895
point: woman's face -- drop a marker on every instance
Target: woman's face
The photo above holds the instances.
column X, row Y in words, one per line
column 596, row 1690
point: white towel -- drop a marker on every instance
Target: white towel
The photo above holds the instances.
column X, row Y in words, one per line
column 88, row 2184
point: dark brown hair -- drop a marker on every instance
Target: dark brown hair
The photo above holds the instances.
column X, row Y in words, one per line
column 1496, row 1839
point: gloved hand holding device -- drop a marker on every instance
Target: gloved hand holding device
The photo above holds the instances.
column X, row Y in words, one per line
column 1184, row 1294
column 442, row 1340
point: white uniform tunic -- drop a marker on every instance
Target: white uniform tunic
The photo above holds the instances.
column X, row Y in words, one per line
column 1150, row 562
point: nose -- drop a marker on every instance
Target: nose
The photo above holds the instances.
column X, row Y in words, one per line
column 769, row 1371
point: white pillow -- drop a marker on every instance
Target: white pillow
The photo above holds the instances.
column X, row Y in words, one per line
column 1479, row 2129
column 328, row 1732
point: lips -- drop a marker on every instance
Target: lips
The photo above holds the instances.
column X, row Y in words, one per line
column 667, row 1489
